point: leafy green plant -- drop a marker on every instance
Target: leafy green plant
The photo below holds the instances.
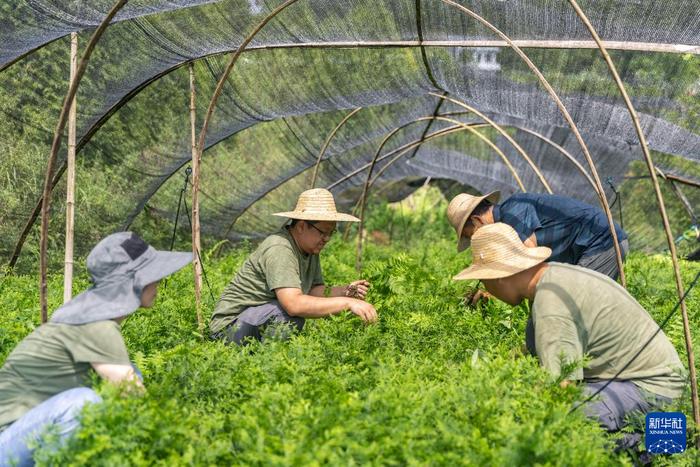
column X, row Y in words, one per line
column 433, row 382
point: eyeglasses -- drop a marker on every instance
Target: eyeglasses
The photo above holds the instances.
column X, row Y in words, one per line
column 326, row 235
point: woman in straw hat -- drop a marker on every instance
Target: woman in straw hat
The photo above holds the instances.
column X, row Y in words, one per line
column 281, row 283
column 45, row 381
column 577, row 313
column 576, row 232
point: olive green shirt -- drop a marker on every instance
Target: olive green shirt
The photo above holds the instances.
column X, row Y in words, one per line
column 579, row 312
column 53, row 359
column 277, row 263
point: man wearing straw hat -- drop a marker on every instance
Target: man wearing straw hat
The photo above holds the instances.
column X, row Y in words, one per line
column 576, row 232
column 576, row 315
column 45, row 381
column 281, row 283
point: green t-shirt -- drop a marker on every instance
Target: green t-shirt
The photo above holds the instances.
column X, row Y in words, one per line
column 579, row 312
column 276, row 263
column 53, row 359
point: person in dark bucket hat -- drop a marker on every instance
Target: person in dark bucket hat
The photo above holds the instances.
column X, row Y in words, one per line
column 45, row 380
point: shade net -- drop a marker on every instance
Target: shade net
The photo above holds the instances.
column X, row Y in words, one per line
column 305, row 71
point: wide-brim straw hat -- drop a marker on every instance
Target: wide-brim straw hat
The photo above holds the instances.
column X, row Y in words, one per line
column 317, row 205
column 459, row 210
column 120, row 267
column 498, row 252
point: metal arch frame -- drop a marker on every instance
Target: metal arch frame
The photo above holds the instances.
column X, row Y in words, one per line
column 563, row 151
column 55, row 145
column 625, row 46
column 452, row 129
column 505, row 134
column 347, row 117
column 565, row 113
column 363, row 198
column 662, row 207
column 525, row 44
column 229, row 68
column 270, row 16
column 327, row 143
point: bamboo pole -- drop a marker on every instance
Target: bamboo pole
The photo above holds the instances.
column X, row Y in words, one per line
column 684, row 200
column 561, row 150
column 70, row 179
column 564, row 152
column 401, row 149
column 523, row 44
column 363, row 197
column 196, row 237
column 438, row 133
column 662, row 210
column 229, row 68
column 505, row 134
column 537, row 135
column 56, row 144
column 685, row 181
column 327, row 143
column 543, row 138
column 476, row 43
column 286, row 179
column 565, row 113
column 330, row 137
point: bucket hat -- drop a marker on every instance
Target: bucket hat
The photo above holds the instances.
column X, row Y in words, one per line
column 317, row 205
column 498, row 252
column 120, row 266
column 459, row 210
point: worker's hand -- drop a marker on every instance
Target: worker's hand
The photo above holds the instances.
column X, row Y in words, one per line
column 476, row 296
column 364, row 310
column 120, row 374
column 357, row 289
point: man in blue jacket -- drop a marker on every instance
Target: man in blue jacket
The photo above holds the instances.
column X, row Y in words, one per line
column 576, row 232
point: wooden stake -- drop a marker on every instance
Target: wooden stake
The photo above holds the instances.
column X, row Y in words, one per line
column 196, row 239
column 70, row 179
column 229, row 69
column 503, row 133
column 365, row 189
column 55, row 145
column 662, row 211
column 563, row 151
column 570, row 121
column 327, row 142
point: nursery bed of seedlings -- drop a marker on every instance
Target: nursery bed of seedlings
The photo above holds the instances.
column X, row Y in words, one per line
column 434, row 382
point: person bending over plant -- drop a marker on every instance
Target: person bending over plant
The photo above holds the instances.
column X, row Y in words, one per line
column 45, row 381
column 281, row 283
column 576, row 232
column 581, row 315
